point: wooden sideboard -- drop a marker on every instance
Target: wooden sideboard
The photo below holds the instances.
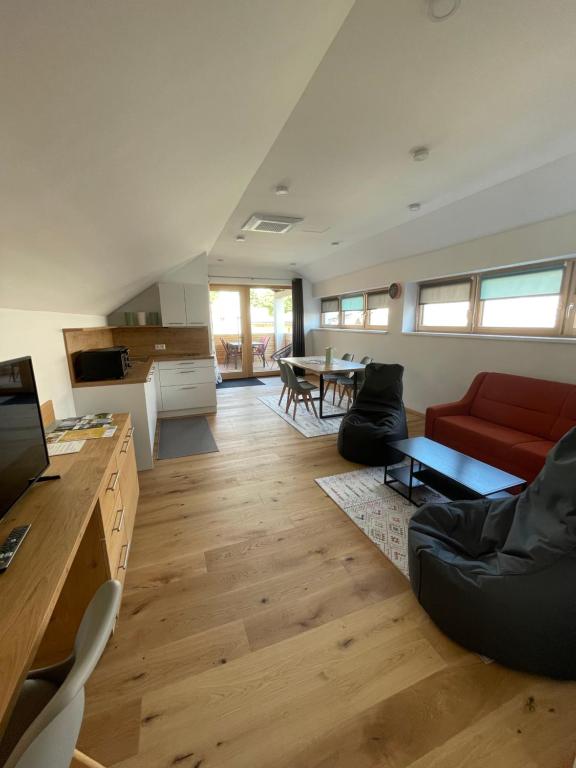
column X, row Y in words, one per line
column 80, row 537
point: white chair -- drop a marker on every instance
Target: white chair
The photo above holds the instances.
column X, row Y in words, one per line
column 46, row 720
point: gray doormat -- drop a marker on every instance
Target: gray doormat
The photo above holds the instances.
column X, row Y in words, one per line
column 185, row 436
column 227, row 383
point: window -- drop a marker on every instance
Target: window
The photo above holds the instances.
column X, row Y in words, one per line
column 357, row 310
column 330, row 312
column 537, row 300
column 377, row 309
column 521, row 300
column 445, row 305
column 352, row 308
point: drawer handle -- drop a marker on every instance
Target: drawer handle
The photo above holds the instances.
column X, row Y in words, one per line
column 124, row 563
column 174, row 323
column 187, row 387
column 113, row 483
column 120, row 522
column 125, row 445
column 130, row 432
column 183, row 373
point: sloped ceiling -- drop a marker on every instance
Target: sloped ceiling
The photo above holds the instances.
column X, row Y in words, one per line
column 492, row 93
column 131, row 128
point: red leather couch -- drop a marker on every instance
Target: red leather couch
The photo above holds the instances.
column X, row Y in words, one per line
column 508, row 421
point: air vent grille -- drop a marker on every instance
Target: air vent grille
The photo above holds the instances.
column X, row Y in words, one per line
column 274, row 225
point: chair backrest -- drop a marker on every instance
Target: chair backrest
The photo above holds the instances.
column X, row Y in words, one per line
column 51, row 738
column 282, row 352
column 348, row 356
column 366, row 360
column 283, row 366
column 291, row 378
column 224, row 344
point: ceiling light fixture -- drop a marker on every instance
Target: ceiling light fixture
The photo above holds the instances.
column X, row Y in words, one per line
column 335, row 242
column 219, row 259
column 293, row 263
column 435, row 5
column 240, row 238
column 281, row 189
column 419, row 154
column 414, row 207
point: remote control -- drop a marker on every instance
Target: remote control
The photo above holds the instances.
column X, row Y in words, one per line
column 9, row 547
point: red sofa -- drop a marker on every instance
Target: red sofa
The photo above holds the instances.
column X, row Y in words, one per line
column 508, row 421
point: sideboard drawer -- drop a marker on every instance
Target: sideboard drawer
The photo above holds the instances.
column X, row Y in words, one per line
column 177, row 378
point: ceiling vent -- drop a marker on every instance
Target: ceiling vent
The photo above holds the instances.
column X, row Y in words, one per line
column 276, row 225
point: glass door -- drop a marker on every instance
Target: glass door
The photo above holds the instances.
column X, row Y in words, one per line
column 228, row 329
column 270, row 327
column 249, row 325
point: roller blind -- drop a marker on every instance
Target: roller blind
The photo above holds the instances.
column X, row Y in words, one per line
column 542, row 282
column 352, row 303
column 445, row 293
column 330, row 305
column 378, row 300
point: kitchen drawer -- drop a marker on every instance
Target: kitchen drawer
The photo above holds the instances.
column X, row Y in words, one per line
column 188, row 396
column 177, row 378
column 166, row 365
column 116, row 535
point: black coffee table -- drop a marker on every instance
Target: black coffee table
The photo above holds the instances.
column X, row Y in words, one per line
column 449, row 472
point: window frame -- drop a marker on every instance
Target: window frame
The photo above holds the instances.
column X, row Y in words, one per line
column 365, row 326
column 566, row 314
column 446, row 328
column 343, row 311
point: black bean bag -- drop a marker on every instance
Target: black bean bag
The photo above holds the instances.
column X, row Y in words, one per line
column 376, row 418
column 498, row 576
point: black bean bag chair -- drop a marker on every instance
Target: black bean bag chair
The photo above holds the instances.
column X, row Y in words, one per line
column 376, row 418
column 498, row 576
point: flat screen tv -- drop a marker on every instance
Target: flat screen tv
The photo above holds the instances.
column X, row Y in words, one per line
column 23, row 453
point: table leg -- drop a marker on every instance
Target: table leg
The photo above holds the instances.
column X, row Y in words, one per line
column 321, row 394
column 355, row 386
column 410, row 481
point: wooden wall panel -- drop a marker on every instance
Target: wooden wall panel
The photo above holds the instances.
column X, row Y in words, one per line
column 179, row 341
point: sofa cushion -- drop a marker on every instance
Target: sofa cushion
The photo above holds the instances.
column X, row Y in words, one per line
column 520, row 403
column 481, row 439
column 528, row 458
column 567, row 418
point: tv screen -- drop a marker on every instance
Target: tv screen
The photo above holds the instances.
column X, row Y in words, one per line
column 23, row 453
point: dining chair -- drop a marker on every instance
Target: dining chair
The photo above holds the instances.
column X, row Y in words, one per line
column 299, row 391
column 346, row 383
column 45, row 723
column 332, row 378
column 259, row 348
column 226, row 351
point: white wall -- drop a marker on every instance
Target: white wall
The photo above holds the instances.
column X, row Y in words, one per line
column 439, row 368
column 39, row 334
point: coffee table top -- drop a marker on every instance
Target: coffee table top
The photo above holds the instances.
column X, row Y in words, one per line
column 318, row 365
column 473, row 474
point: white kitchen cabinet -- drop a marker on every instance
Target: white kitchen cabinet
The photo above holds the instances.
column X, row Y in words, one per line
column 196, row 299
column 184, row 305
column 139, row 400
column 172, row 305
column 187, row 386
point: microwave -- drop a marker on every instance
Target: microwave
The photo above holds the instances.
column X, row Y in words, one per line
column 101, row 364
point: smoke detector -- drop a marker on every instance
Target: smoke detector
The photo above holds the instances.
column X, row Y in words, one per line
column 265, row 222
column 419, row 154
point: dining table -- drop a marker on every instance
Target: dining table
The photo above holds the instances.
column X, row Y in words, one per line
column 318, row 366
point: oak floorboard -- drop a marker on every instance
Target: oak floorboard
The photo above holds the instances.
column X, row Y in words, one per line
column 260, row 628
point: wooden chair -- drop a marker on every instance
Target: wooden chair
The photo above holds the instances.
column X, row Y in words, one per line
column 259, row 348
column 332, row 378
column 298, row 391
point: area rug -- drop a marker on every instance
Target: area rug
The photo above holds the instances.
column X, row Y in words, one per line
column 381, row 513
column 306, row 423
column 228, row 383
column 185, row 436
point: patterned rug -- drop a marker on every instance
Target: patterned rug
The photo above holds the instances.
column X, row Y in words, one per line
column 306, row 423
column 381, row 513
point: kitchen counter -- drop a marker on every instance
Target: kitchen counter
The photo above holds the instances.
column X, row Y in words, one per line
column 139, row 371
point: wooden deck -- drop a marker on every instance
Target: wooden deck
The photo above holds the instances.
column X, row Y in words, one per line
column 261, row 629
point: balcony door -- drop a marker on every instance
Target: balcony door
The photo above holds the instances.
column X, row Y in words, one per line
column 249, row 324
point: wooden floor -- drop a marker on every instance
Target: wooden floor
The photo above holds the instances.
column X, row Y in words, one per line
column 261, row 629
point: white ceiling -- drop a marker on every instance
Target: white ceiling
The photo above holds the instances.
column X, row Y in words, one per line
column 491, row 91
column 131, row 128
column 136, row 134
